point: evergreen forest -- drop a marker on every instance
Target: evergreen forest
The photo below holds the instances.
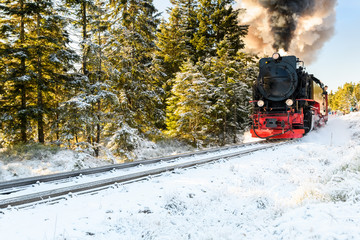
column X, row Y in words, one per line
column 346, row 99
column 92, row 74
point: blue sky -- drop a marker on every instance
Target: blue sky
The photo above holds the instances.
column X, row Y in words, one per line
column 339, row 58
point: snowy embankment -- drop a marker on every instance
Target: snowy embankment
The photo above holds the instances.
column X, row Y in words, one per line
column 46, row 163
column 34, row 162
column 307, row 190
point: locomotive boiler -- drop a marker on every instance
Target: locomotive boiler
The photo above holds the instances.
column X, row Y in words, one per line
column 287, row 101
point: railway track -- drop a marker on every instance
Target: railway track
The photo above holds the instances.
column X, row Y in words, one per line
column 50, row 188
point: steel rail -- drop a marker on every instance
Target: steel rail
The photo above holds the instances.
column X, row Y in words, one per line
column 49, row 195
column 59, row 176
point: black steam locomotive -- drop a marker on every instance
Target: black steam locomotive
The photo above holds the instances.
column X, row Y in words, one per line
column 288, row 102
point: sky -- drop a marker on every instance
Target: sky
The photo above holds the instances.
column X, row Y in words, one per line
column 337, row 61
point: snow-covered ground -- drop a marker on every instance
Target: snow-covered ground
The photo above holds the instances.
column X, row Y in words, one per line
column 38, row 162
column 47, row 163
column 306, row 190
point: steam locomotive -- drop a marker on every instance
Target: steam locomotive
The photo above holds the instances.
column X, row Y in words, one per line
column 287, row 101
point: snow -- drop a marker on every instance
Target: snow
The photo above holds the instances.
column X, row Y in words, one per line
column 41, row 187
column 48, row 163
column 53, row 58
column 24, row 78
column 309, row 189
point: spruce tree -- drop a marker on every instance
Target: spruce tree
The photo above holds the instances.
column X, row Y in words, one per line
column 175, row 36
column 230, row 79
column 218, row 19
column 36, row 58
column 189, row 106
column 15, row 16
column 79, row 10
column 98, row 90
column 174, row 44
column 227, row 72
column 131, row 56
column 51, row 59
column 101, row 84
column 85, row 112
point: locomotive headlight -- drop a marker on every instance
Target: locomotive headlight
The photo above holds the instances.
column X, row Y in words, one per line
column 260, row 103
column 289, row 102
column 276, row 56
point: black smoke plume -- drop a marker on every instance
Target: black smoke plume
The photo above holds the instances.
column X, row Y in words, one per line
column 284, row 15
column 299, row 27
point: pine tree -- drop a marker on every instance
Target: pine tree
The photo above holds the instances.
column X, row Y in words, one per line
column 218, row 19
column 174, row 45
column 99, row 77
column 36, row 59
column 175, row 36
column 230, row 78
column 189, row 106
column 15, row 112
column 52, row 58
column 227, row 72
column 88, row 107
column 97, row 91
column 79, row 10
column 171, row 46
column 131, row 57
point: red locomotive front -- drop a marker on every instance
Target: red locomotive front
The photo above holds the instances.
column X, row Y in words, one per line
column 288, row 102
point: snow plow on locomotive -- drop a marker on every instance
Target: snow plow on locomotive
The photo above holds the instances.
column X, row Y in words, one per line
column 287, row 101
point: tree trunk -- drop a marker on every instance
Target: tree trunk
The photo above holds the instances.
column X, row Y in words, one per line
column 84, row 59
column 40, row 106
column 235, row 121
column 98, row 129
column 22, row 115
column 84, row 32
column 224, row 129
column 57, row 114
